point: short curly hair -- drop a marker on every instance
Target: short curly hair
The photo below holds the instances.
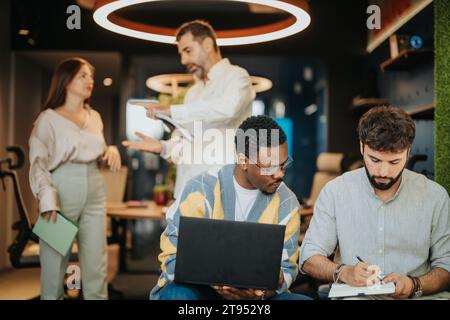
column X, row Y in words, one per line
column 256, row 132
column 387, row 129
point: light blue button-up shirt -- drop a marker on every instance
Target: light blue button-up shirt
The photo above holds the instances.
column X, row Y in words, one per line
column 409, row 234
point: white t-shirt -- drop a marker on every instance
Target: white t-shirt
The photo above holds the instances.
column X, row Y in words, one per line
column 245, row 198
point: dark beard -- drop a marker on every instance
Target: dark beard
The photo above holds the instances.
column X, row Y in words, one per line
column 382, row 186
column 199, row 72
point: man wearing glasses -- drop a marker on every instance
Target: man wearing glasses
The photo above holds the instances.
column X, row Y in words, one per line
column 251, row 190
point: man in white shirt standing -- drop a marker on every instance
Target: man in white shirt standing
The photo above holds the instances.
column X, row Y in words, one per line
column 220, row 99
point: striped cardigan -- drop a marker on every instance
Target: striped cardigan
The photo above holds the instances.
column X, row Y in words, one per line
column 212, row 195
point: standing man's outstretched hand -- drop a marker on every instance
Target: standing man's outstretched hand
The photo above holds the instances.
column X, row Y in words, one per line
column 147, row 144
column 153, row 110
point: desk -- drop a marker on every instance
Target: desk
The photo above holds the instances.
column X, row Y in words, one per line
column 121, row 214
column 120, row 210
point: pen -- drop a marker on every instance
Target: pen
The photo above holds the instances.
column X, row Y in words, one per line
column 379, row 276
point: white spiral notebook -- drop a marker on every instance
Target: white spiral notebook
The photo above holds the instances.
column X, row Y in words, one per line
column 141, row 123
column 344, row 290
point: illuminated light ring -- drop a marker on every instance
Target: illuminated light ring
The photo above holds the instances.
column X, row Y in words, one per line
column 298, row 21
column 163, row 83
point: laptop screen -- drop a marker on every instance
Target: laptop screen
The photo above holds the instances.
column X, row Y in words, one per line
column 237, row 254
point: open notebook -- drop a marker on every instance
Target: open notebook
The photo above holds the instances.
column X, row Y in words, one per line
column 184, row 132
column 138, row 121
column 344, row 290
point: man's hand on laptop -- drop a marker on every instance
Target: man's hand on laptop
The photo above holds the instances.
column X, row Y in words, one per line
column 230, row 293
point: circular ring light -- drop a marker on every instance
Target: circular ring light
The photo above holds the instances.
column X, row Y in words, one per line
column 298, row 21
column 164, row 83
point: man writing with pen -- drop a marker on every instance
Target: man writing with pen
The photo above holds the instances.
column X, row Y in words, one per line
column 389, row 216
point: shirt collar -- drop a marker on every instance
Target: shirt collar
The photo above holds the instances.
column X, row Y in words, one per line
column 216, row 70
column 371, row 189
column 241, row 190
column 403, row 182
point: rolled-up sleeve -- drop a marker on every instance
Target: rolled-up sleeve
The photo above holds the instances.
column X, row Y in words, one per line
column 40, row 143
column 440, row 235
column 321, row 237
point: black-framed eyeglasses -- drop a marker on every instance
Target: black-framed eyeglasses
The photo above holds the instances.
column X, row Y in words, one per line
column 270, row 171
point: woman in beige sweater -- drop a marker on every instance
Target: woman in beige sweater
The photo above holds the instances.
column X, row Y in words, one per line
column 65, row 145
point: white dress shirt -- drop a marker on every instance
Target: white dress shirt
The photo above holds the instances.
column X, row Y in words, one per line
column 220, row 103
column 56, row 140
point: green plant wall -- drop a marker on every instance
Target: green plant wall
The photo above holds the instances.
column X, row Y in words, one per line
column 442, row 91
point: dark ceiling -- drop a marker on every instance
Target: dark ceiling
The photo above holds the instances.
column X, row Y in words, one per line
column 224, row 14
column 336, row 29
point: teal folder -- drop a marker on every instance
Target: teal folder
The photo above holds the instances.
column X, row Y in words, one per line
column 59, row 235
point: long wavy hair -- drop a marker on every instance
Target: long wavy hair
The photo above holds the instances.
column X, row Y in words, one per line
column 62, row 76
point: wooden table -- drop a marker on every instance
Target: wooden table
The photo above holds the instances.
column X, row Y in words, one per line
column 121, row 213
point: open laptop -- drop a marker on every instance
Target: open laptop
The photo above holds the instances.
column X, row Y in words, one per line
column 231, row 253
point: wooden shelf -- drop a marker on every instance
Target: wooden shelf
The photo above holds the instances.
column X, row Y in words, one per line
column 406, row 59
column 361, row 105
column 425, row 112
